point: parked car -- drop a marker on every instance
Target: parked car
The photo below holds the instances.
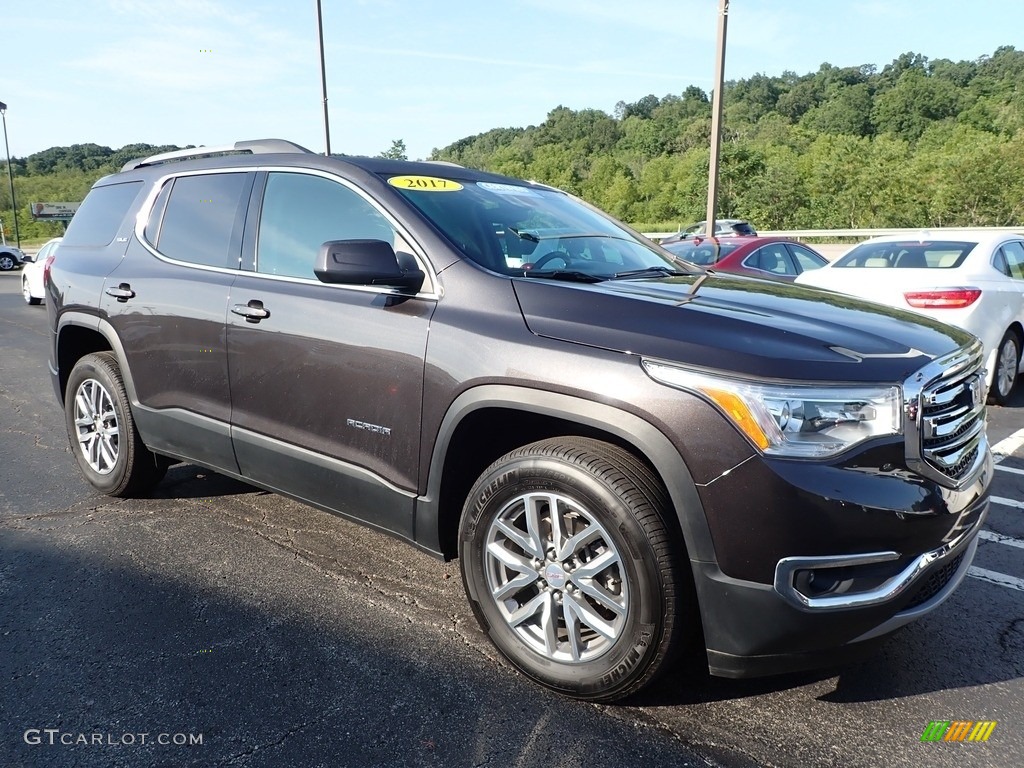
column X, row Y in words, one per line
column 632, row 457
column 972, row 280
column 32, row 274
column 723, row 228
column 773, row 257
column 11, row 258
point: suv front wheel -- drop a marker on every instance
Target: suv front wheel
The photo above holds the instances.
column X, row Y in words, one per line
column 102, row 431
column 571, row 569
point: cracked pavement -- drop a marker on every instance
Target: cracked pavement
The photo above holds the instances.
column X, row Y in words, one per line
column 289, row 637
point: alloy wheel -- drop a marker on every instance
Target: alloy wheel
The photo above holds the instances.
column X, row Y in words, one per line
column 556, row 577
column 96, row 425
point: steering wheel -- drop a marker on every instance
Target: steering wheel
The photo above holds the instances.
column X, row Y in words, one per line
column 551, row 256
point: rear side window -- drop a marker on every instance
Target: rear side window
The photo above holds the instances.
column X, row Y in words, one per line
column 101, row 213
column 200, row 218
column 945, row 254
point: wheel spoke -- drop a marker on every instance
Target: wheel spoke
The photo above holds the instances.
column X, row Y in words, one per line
column 549, row 625
column 614, row 603
column 589, row 618
column 591, row 568
column 530, row 609
column 572, row 628
column 575, row 543
column 528, row 544
column 108, row 451
column 83, row 405
column 557, row 529
column 533, row 525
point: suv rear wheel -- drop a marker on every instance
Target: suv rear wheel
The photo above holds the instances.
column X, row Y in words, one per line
column 570, row 568
column 102, row 431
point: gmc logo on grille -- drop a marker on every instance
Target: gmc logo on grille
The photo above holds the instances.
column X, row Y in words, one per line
column 976, row 390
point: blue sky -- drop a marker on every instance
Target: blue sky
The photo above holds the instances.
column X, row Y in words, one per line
column 428, row 72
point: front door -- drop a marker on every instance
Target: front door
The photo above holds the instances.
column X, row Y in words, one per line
column 326, row 380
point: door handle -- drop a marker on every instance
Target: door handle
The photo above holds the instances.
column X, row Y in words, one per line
column 253, row 312
column 122, row 293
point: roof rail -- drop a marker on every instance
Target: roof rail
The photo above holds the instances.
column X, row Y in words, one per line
column 255, row 147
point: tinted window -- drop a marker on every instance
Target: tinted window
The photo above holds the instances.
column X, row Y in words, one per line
column 946, row 254
column 301, row 212
column 101, row 213
column 1014, row 255
column 805, row 258
column 200, row 217
column 771, row 258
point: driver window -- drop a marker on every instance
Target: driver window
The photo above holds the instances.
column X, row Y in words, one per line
column 301, row 212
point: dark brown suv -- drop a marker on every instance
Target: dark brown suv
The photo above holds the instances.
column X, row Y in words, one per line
column 632, row 456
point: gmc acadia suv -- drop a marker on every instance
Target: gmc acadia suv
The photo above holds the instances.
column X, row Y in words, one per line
column 632, row 456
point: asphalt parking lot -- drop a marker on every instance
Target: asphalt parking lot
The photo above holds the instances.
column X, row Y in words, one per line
column 218, row 625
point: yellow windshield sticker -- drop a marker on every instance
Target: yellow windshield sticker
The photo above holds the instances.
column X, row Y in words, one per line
column 425, row 183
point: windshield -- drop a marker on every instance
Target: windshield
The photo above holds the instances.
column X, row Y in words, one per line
column 522, row 229
column 938, row 254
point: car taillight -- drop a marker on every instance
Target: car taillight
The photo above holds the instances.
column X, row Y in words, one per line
column 46, row 268
column 951, row 298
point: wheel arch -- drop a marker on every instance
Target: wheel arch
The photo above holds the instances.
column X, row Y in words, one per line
column 78, row 335
column 486, row 422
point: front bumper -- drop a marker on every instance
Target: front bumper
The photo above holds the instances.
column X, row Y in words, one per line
column 818, row 571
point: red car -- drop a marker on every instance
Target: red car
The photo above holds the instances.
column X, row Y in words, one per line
column 773, row 257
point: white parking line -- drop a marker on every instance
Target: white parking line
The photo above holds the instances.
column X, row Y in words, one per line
column 1007, row 447
column 1014, row 470
column 992, row 577
column 1007, row 502
column 1001, row 539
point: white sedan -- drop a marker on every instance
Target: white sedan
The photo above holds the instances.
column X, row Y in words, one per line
column 971, row 280
column 32, row 273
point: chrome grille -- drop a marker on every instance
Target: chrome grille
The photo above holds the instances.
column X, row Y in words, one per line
column 946, row 416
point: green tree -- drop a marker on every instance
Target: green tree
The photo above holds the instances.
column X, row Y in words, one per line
column 396, row 151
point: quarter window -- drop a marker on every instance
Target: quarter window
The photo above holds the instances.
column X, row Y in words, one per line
column 1014, row 254
column 301, row 212
column 200, row 219
column 101, row 214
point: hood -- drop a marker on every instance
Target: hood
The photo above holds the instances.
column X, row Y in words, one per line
column 744, row 326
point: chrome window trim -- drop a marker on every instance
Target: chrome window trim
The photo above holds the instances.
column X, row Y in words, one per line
column 145, row 210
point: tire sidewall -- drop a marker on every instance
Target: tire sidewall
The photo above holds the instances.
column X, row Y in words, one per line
column 632, row 653
column 91, row 367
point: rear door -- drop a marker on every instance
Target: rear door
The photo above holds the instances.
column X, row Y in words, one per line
column 167, row 301
column 326, row 380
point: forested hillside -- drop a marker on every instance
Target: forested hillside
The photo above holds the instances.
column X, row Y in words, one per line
column 60, row 175
column 918, row 143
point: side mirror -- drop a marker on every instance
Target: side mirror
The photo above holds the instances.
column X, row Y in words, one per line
column 365, row 262
column 28, row 258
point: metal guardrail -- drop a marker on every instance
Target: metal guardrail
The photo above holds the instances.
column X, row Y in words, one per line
column 799, row 234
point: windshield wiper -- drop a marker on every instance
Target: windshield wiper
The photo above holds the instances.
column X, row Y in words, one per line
column 650, row 272
column 571, row 275
column 523, row 235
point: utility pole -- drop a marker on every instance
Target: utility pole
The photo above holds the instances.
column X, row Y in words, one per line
column 716, row 118
column 10, row 177
column 323, row 77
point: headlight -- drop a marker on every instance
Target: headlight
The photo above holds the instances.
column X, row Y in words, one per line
column 794, row 420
